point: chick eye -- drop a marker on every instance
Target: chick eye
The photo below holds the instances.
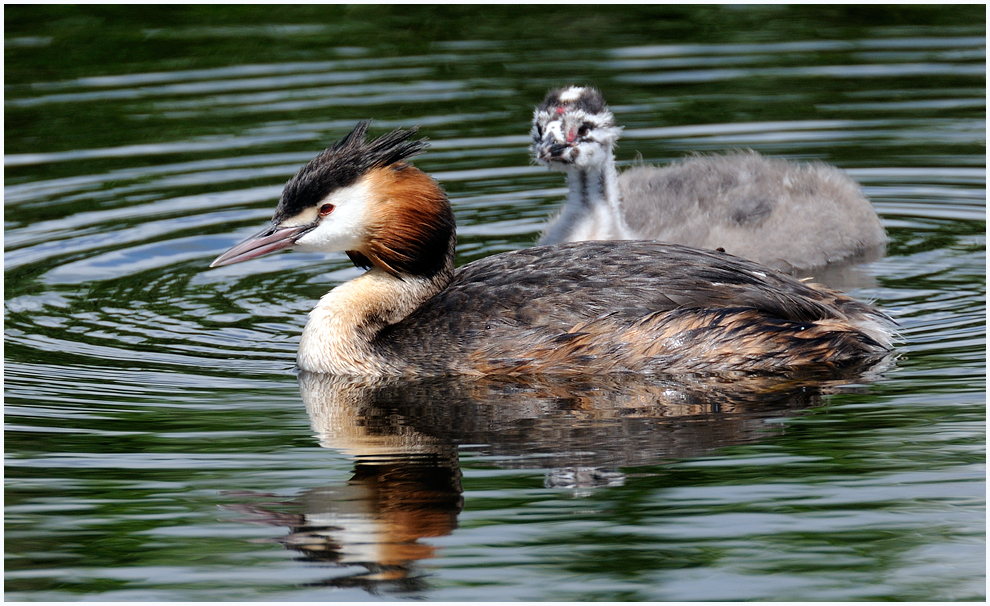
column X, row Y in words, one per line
column 584, row 129
column 326, row 209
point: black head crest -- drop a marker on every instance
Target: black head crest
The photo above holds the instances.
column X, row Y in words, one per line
column 343, row 163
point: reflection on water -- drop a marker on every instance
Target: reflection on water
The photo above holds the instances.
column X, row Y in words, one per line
column 373, row 522
column 404, row 437
column 611, row 422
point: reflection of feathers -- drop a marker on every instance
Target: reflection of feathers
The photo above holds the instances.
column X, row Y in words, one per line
column 572, row 421
column 405, row 436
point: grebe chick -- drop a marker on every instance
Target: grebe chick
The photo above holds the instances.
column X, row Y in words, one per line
column 792, row 217
column 589, row 307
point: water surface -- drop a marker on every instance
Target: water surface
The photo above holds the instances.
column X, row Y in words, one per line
column 160, row 445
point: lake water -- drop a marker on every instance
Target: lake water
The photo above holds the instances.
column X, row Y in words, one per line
column 161, row 446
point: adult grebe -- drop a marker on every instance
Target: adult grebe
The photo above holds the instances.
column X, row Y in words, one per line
column 788, row 216
column 590, row 307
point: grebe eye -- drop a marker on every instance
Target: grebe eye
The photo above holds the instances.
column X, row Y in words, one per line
column 326, row 209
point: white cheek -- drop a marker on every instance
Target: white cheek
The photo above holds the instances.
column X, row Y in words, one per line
column 344, row 228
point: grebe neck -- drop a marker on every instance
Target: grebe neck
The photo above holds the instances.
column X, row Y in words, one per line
column 340, row 336
column 593, row 210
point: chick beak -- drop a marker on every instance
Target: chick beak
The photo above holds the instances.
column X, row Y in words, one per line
column 268, row 240
column 551, row 149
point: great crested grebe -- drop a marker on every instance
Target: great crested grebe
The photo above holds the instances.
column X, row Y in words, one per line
column 588, row 307
column 788, row 216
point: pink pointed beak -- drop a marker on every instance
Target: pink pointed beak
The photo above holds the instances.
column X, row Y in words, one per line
column 268, row 240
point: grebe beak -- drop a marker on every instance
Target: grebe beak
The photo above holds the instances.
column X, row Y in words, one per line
column 268, row 240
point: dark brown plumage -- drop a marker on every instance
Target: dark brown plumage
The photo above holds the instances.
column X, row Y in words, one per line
column 630, row 307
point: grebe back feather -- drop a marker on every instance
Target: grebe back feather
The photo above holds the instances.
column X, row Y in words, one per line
column 588, row 307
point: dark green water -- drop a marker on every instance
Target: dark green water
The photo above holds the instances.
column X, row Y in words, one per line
column 160, row 446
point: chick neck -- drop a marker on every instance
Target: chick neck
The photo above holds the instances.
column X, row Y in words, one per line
column 593, row 209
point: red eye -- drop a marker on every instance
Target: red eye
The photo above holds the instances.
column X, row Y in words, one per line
column 326, row 209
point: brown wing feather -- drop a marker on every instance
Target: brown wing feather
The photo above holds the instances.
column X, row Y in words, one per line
column 629, row 306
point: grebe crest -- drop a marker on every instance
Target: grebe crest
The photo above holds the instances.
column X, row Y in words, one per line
column 588, row 307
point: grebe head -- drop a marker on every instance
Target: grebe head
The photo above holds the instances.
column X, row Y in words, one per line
column 573, row 128
column 362, row 198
